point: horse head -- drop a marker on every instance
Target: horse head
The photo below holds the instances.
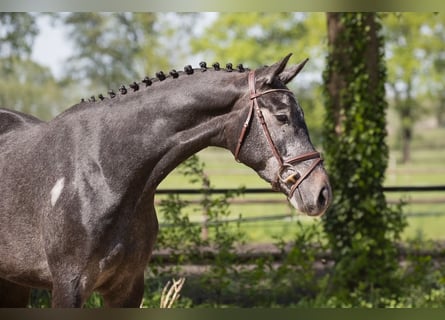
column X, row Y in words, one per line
column 271, row 137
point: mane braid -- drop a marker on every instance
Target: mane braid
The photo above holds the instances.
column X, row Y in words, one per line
column 122, row 89
column 161, row 76
column 134, row 86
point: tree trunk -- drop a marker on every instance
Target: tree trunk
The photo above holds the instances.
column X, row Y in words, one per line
column 406, row 117
column 336, row 83
column 357, row 155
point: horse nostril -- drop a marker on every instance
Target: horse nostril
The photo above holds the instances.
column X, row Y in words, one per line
column 324, row 197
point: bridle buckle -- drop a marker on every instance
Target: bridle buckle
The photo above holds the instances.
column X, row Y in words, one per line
column 291, row 178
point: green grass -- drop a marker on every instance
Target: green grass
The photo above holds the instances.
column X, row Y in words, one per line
column 225, row 172
column 426, row 168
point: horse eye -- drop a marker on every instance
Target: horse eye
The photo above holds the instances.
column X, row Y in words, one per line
column 282, row 118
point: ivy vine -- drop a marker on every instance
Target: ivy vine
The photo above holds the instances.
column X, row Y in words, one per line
column 362, row 228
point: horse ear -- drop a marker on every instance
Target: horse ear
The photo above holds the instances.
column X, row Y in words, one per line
column 288, row 74
column 274, row 70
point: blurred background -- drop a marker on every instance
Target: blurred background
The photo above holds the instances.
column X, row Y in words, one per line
column 50, row 61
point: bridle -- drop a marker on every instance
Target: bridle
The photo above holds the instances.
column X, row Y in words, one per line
column 285, row 164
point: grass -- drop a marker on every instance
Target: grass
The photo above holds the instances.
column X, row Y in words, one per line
column 425, row 168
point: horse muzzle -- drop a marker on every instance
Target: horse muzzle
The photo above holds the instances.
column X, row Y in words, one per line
column 312, row 196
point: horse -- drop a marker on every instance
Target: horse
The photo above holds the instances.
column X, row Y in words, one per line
column 12, row 120
column 77, row 210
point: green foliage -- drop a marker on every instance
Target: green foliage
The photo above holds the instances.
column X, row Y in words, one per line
column 185, row 240
column 225, row 281
column 29, row 88
column 237, row 37
column 258, row 38
column 26, row 86
column 361, row 227
column 414, row 54
column 102, row 54
column 174, row 33
column 17, row 33
column 110, row 48
column 435, row 78
column 42, row 299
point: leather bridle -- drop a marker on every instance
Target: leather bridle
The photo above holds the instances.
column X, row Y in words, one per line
column 285, row 164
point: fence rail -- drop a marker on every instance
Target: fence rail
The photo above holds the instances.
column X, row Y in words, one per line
column 270, row 191
column 281, row 216
column 249, row 253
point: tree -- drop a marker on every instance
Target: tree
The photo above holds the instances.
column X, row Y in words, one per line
column 30, row 88
column 26, row 85
column 258, row 38
column 434, row 79
column 17, row 33
column 408, row 60
column 111, row 49
column 253, row 37
column 176, row 30
column 361, row 227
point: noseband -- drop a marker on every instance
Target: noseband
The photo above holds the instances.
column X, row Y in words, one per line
column 285, row 164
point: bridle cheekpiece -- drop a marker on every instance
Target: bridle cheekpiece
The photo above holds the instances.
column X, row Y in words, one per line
column 285, row 164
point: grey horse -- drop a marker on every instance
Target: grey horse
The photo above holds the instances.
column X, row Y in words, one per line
column 77, row 193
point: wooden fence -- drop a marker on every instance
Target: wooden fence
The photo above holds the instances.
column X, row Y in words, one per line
column 264, row 191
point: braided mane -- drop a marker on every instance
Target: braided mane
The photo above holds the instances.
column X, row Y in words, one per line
column 161, row 76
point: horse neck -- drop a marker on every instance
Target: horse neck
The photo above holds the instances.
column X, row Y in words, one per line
column 155, row 131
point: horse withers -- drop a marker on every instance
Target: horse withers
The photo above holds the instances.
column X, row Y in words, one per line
column 77, row 208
